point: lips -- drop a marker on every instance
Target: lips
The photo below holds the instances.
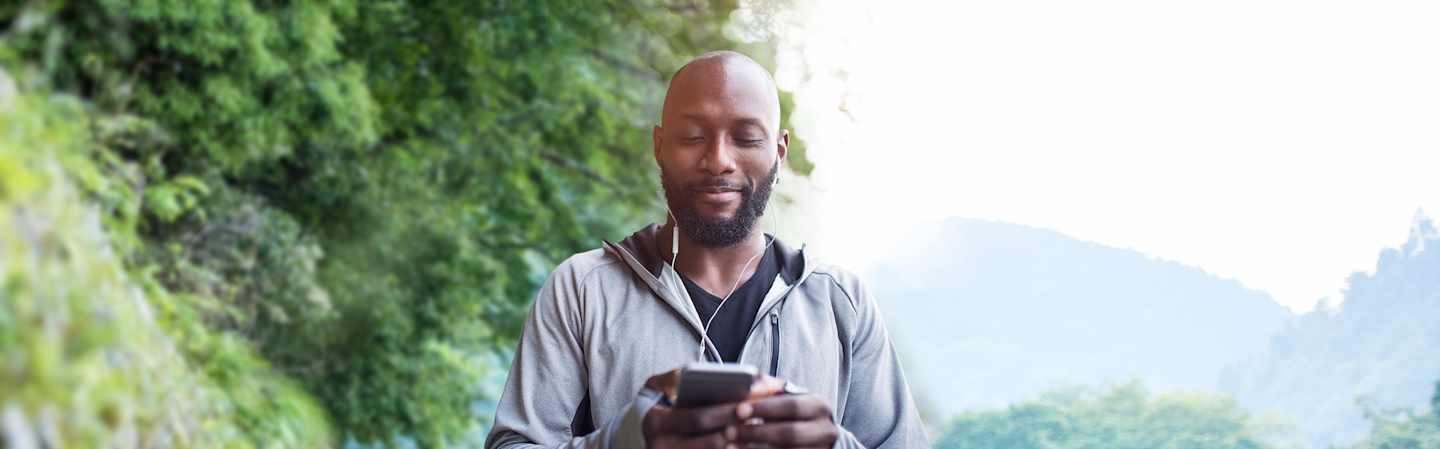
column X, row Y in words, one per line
column 717, row 194
column 717, row 189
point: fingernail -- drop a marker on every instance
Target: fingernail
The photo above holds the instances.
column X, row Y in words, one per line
column 743, row 411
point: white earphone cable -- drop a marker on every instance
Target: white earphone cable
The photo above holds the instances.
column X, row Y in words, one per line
column 726, row 299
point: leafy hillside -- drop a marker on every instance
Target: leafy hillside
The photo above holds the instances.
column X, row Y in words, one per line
column 92, row 355
column 989, row 313
column 1379, row 349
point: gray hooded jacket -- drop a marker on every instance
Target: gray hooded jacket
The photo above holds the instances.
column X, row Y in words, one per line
column 608, row 319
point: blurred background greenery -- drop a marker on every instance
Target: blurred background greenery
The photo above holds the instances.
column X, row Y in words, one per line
column 308, row 224
column 295, row 224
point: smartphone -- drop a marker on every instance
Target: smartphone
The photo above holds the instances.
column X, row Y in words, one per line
column 704, row 383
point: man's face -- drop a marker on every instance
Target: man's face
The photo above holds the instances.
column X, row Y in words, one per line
column 718, row 149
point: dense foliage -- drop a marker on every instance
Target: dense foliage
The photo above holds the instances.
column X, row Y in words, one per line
column 1126, row 416
column 1122, row 417
column 95, row 355
column 333, row 209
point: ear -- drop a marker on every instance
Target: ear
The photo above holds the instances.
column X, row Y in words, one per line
column 782, row 145
column 656, row 141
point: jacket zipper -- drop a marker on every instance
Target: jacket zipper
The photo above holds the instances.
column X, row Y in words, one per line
column 774, row 344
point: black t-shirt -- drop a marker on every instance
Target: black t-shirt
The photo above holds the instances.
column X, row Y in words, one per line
column 732, row 327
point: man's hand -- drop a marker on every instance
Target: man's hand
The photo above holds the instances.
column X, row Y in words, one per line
column 786, row 421
column 762, row 420
column 688, row 428
column 684, row 428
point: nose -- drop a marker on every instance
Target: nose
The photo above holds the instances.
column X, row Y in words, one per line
column 719, row 157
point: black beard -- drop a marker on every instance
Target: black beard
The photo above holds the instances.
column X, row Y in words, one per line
column 723, row 232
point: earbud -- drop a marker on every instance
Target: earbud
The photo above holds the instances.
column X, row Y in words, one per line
column 674, row 230
column 674, row 237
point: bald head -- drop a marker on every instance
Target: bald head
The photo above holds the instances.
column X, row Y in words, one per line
column 723, row 77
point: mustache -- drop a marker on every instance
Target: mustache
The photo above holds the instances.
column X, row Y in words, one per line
column 718, row 183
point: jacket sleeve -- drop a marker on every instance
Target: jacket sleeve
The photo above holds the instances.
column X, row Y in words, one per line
column 547, row 379
column 879, row 411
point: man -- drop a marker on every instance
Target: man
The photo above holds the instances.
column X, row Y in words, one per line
column 610, row 325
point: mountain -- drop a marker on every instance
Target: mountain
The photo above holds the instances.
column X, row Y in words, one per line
column 1380, row 347
column 988, row 313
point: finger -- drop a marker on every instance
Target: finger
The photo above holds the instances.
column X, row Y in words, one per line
column 665, row 383
column 654, row 419
column 714, row 440
column 785, row 407
column 766, row 386
column 789, row 433
column 694, row 421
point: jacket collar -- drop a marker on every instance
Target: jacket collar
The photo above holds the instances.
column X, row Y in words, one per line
column 641, row 252
column 644, row 246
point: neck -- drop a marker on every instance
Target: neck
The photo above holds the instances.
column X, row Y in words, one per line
column 713, row 268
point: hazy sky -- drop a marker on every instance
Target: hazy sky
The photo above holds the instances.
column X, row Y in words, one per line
column 1280, row 143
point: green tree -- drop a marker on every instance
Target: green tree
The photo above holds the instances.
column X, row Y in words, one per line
column 365, row 194
column 1122, row 417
